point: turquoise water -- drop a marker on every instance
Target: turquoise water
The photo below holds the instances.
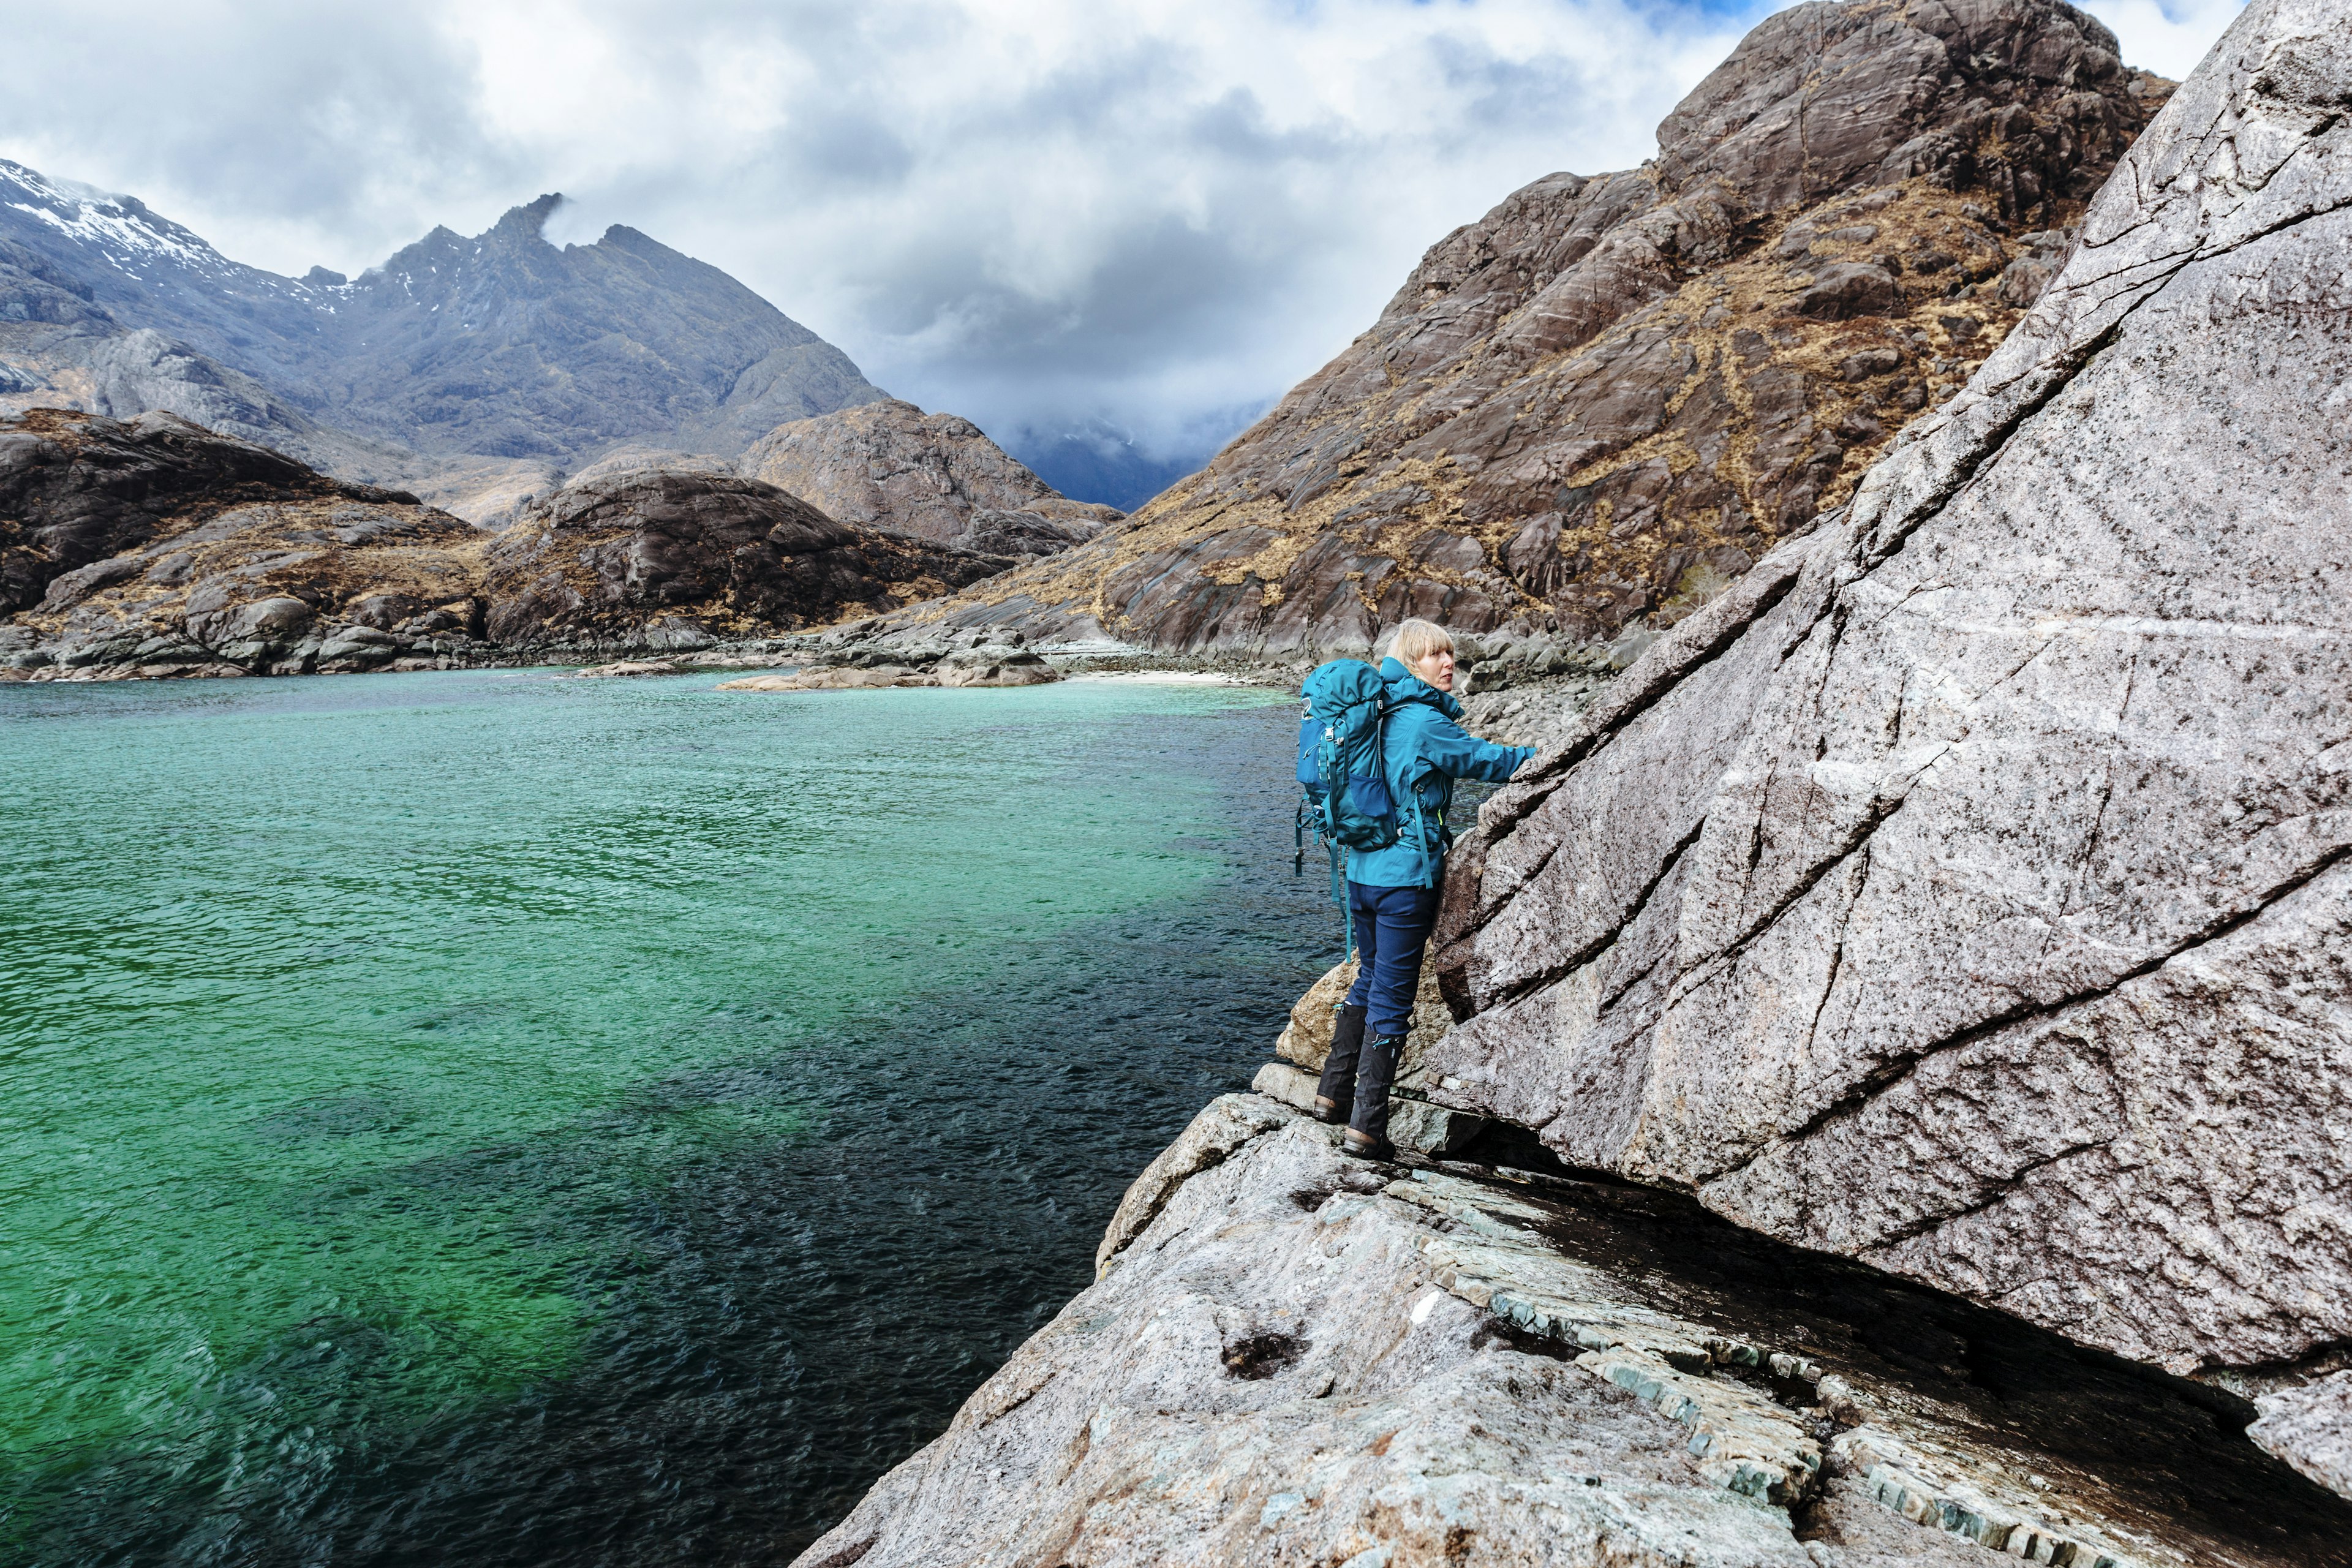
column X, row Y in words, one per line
column 556, row 1121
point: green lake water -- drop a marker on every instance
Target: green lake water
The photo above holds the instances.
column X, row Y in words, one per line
column 495, row 1116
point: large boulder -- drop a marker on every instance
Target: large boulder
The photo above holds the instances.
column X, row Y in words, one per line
column 1970, row 890
column 1612, row 395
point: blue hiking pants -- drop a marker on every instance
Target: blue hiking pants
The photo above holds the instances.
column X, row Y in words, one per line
column 1392, row 927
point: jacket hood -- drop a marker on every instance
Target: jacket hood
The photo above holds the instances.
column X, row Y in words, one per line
column 1404, row 686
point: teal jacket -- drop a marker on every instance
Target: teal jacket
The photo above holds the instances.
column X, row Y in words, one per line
column 1425, row 750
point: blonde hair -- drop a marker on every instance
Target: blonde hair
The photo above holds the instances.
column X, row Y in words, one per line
column 1417, row 640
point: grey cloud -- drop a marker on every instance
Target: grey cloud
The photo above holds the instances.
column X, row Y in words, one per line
column 274, row 110
column 1236, row 127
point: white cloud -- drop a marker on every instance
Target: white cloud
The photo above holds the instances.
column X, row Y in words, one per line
column 2167, row 37
column 1033, row 212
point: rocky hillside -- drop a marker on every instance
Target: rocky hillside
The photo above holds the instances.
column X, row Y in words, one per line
column 154, row 548
column 722, row 555
column 1609, row 397
column 889, row 465
column 1968, row 892
column 500, row 344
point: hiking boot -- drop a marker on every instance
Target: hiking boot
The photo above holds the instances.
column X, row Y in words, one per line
column 1335, row 1096
column 1368, row 1130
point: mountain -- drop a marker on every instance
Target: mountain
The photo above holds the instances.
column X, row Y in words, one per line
column 500, row 346
column 1609, row 397
column 933, row 476
column 505, row 345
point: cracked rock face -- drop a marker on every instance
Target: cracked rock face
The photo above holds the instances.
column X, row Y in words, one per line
column 1294, row 1357
column 1967, row 890
column 1609, row 396
column 890, row 466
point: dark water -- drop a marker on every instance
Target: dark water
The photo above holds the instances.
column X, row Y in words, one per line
column 482, row 1117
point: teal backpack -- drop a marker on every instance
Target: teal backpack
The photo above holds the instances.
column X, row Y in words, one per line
column 1342, row 772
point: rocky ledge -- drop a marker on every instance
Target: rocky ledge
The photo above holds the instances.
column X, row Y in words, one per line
column 1295, row 1357
column 976, row 662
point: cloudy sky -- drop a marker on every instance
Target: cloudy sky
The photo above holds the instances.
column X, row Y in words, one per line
column 1037, row 212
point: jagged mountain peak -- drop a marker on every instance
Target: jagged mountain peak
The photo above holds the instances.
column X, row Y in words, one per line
column 499, row 343
column 530, row 217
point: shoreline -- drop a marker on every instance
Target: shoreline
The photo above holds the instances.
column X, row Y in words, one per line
column 1520, row 703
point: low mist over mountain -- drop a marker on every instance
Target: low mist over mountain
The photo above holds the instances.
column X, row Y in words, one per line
column 1105, row 464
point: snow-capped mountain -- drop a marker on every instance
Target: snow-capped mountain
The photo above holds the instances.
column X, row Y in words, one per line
column 500, row 344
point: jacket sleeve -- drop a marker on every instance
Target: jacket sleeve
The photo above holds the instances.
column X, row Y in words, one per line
column 1447, row 747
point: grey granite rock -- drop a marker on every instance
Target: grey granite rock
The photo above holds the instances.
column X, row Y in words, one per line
column 1259, row 1380
column 1966, row 891
column 993, row 665
column 2310, row 1427
column 1306, row 1037
column 1291, row 1356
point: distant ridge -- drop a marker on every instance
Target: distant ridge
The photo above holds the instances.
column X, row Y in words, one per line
column 500, row 345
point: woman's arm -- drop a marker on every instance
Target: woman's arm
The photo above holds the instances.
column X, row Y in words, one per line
column 1450, row 749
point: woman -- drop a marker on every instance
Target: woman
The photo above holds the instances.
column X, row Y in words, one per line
column 1393, row 893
